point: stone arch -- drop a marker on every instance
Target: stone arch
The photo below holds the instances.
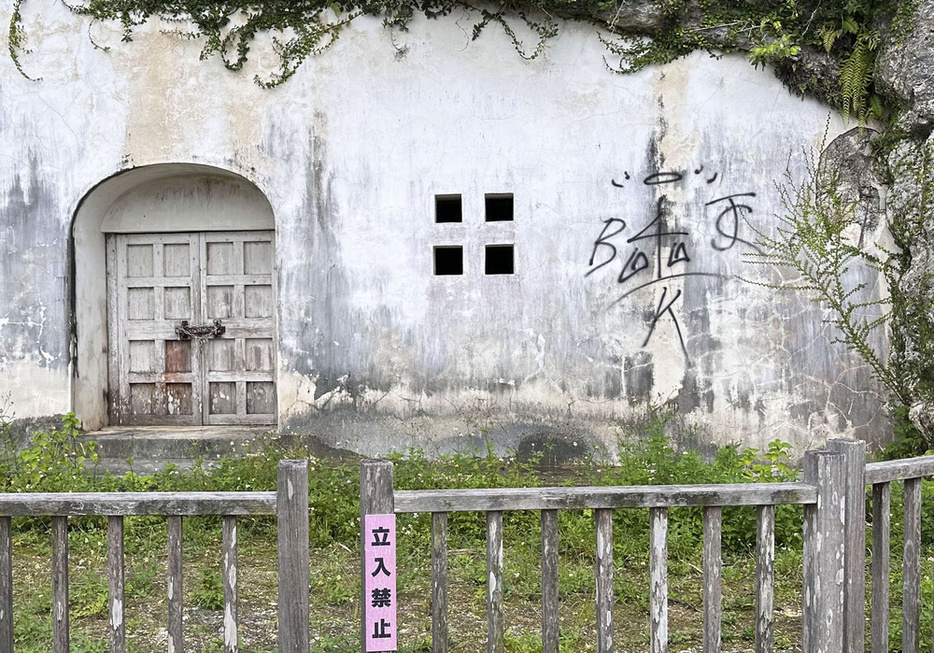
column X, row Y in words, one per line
column 158, row 198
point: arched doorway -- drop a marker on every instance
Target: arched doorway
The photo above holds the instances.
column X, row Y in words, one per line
column 175, row 289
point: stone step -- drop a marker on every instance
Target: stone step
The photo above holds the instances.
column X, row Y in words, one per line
column 151, row 448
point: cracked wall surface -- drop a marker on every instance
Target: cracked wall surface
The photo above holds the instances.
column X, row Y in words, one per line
column 636, row 198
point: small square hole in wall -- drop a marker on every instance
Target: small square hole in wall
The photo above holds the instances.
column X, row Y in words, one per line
column 448, row 208
column 449, row 260
column 499, row 207
column 499, row 259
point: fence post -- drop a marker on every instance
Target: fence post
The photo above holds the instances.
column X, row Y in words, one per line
column 375, row 499
column 292, row 516
column 824, row 553
column 6, row 584
column 854, row 596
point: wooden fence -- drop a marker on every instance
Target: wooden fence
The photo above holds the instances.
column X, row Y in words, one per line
column 833, row 494
column 880, row 476
column 289, row 503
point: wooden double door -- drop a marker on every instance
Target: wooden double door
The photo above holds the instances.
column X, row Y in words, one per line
column 192, row 328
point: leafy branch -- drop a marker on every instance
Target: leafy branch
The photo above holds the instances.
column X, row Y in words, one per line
column 819, row 238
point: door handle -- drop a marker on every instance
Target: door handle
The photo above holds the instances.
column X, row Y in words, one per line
column 186, row 331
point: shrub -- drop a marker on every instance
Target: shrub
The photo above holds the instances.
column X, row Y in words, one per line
column 58, row 461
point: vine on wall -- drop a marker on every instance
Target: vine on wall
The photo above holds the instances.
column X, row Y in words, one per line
column 842, row 35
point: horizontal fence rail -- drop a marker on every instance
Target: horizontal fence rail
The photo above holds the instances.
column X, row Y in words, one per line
column 899, row 470
column 67, row 504
column 822, row 496
column 289, row 503
column 642, row 496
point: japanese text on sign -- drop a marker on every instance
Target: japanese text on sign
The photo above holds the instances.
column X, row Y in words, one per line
column 379, row 581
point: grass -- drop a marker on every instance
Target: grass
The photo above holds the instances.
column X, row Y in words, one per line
column 335, row 595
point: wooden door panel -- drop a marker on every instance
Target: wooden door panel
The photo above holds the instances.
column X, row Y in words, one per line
column 260, row 397
column 221, row 257
column 259, row 354
column 159, row 280
column 238, row 288
column 177, row 304
column 142, row 356
column 177, row 356
column 179, row 399
column 177, row 260
column 221, row 356
column 258, row 301
column 154, row 285
column 220, row 303
column 223, row 397
column 258, row 257
column 141, row 304
column 139, row 260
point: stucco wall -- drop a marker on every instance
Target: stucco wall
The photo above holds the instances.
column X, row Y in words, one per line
column 375, row 352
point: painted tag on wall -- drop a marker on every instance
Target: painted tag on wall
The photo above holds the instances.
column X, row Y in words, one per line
column 379, row 555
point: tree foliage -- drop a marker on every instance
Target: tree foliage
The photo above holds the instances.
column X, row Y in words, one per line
column 819, row 238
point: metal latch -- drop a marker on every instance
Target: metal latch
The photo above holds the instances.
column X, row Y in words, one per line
column 187, row 331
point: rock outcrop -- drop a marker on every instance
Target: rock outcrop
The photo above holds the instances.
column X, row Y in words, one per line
column 905, row 74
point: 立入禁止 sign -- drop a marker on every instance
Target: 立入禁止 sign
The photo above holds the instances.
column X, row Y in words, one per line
column 379, row 582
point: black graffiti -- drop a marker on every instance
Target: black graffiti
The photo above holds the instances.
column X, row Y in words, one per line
column 678, row 255
column 670, row 277
column 601, row 241
column 638, row 260
column 668, row 177
column 733, row 213
column 659, row 235
column 663, row 178
column 636, row 263
column 656, row 235
column 660, row 311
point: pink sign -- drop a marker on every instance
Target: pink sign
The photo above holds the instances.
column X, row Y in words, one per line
column 379, row 581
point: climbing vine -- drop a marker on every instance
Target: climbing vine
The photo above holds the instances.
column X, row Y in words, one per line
column 787, row 33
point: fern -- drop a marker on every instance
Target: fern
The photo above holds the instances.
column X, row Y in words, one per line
column 828, row 35
column 856, row 77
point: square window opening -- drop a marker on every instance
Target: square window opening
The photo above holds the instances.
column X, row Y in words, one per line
column 499, row 207
column 448, row 208
column 499, row 259
column 449, row 261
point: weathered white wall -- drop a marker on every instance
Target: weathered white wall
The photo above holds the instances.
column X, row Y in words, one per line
column 375, row 352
